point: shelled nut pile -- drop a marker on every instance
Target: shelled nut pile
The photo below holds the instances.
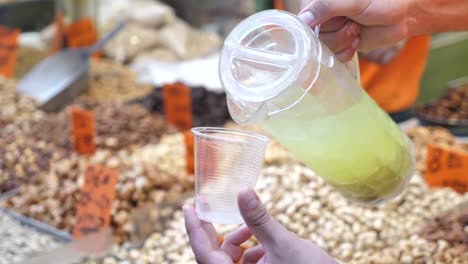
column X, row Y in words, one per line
column 145, row 177
column 113, row 82
column 423, row 136
column 18, row 242
column 208, row 108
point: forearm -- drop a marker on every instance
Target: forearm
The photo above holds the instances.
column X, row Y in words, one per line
column 434, row 16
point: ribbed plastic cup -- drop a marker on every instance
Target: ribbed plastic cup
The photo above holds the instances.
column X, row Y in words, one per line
column 226, row 162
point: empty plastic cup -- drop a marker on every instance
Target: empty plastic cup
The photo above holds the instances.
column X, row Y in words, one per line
column 226, row 161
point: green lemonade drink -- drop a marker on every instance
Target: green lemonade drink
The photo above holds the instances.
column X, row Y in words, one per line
column 359, row 150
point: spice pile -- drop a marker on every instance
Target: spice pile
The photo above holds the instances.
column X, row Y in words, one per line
column 208, row 108
column 113, row 82
column 19, row 243
column 27, row 58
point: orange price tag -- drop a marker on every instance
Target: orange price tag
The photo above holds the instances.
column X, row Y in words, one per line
column 81, row 33
column 8, row 50
column 447, row 168
column 59, row 33
column 189, row 142
column 96, row 198
column 83, row 131
column 178, row 105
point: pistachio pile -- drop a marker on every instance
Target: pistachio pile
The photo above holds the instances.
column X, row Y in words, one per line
column 307, row 206
column 19, row 242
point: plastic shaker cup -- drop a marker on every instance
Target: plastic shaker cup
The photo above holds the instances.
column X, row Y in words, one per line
column 226, row 162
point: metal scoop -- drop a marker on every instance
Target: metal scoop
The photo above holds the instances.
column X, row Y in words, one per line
column 57, row 80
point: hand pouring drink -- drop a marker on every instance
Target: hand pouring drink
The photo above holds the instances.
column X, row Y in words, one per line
column 277, row 74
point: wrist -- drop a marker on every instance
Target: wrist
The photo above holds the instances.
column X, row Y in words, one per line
column 417, row 21
column 435, row 16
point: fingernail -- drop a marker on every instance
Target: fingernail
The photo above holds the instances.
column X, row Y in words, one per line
column 308, row 17
column 185, row 207
column 249, row 199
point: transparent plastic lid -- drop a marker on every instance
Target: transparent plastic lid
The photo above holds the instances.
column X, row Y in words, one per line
column 263, row 56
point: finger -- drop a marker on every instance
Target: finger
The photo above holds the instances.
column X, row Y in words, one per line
column 211, row 233
column 348, row 53
column 198, row 237
column 253, row 255
column 232, row 242
column 271, row 234
column 387, row 35
column 333, row 24
column 343, row 38
column 319, row 11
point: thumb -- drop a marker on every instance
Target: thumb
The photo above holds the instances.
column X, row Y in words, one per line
column 271, row 234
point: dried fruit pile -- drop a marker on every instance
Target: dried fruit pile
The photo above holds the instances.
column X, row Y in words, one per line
column 208, row 108
column 452, row 107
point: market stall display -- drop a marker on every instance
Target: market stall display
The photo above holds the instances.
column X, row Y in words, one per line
column 41, row 175
column 152, row 173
